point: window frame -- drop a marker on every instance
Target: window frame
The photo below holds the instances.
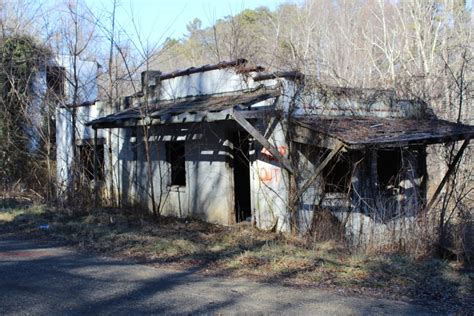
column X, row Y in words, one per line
column 332, row 172
column 176, row 158
column 56, row 81
column 86, row 151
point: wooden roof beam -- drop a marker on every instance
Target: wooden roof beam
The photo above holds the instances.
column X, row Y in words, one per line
column 262, row 140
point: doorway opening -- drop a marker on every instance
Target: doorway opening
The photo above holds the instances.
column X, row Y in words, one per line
column 241, row 165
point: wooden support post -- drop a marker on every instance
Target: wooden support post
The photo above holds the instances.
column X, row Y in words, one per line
column 262, row 140
column 451, row 169
column 96, row 166
column 320, row 168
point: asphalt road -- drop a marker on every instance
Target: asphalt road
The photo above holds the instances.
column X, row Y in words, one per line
column 41, row 278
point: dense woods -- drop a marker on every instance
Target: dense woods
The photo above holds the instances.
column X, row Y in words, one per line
column 20, row 116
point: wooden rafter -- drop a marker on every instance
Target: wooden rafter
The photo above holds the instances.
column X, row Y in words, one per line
column 320, row 168
column 262, row 140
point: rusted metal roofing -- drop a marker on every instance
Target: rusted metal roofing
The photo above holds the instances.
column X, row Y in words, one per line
column 204, row 103
column 364, row 131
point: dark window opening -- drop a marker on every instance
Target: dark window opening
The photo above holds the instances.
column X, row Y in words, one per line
column 389, row 165
column 422, row 172
column 133, row 133
column 55, row 80
column 175, row 156
column 337, row 174
column 86, row 156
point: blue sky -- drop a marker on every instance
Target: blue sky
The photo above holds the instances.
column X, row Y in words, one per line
column 158, row 19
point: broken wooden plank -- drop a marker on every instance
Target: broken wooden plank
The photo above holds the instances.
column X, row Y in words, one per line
column 197, row 117
column 262, row 140
column 451, row 169
column 263, row 112
column 320, row 168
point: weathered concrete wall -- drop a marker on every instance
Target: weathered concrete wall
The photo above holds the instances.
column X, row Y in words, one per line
column 64, row 137
column 63, row 149
column 361, row 103
column 308, row 161
column 269, row 181
column 370, row 213
column 208, row 193
column 211, row 177
column 87, row 92
column 86, row 70
column 374, row 215
column 209, row 82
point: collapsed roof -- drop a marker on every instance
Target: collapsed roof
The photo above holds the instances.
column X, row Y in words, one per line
column 358, row 132
column 353, row 131
column 204, row 104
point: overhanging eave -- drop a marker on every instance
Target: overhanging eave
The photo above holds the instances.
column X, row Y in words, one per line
column 359, row 133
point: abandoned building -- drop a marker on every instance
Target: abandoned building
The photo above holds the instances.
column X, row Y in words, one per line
column 228, row 143
column 48, row 87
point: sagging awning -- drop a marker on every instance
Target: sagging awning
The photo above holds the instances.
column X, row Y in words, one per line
column 358, row 132
column 189, row 109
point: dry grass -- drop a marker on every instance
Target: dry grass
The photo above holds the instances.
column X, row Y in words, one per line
column 245, row 251
column 14, row 209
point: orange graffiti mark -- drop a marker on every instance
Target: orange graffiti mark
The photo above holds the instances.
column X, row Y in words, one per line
column 281, row 149
column 268, row 175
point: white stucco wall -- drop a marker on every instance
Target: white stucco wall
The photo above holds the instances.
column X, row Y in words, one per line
column 269, row 184
column 87, row 92
column 202, row 83
column 86, row 71
column 208, row 193
column 63, row 149
column 64, row 138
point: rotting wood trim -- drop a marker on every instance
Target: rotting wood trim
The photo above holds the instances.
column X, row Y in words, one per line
column 451, row 168
column 185, row 117
column 193, row 70
column 196, row 117
column 262, row 140
column 320, row 168
column 413, row 141
column 266, row 111
column 295, row 75
column 360, row 132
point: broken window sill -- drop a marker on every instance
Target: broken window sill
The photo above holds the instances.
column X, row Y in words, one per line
column 177, row 188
